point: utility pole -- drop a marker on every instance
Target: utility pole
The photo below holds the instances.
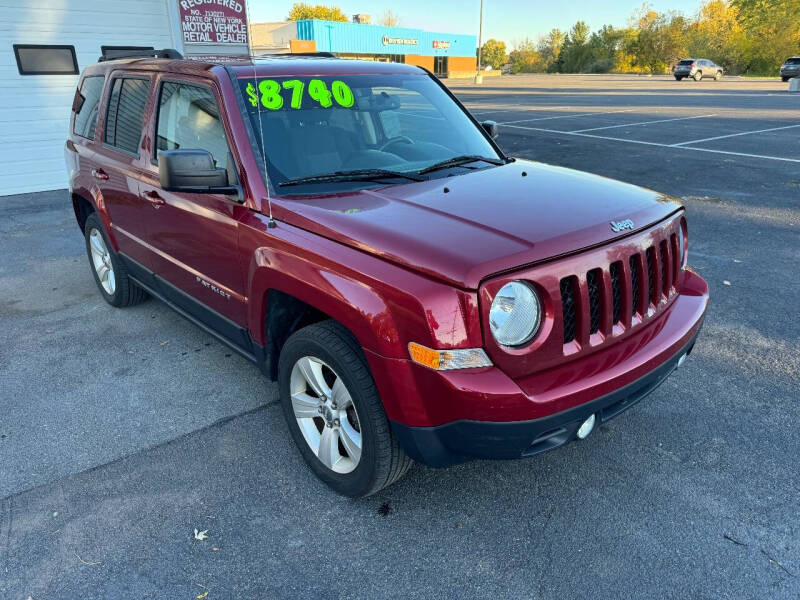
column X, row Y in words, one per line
column 478, row 75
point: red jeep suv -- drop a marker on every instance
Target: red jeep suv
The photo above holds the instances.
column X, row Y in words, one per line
column 350, row 228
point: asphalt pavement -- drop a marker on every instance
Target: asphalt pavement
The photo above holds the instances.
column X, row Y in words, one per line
column 123, row 431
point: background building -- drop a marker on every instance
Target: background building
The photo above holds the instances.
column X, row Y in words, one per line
column 44, row 44
column 445, row 54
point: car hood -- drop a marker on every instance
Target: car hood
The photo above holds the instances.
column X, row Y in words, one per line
column 465, row 228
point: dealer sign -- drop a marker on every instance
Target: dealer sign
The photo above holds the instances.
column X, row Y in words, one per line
column 213, row 21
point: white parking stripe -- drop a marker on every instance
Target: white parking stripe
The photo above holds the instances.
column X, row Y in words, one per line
column 613, row 112
column 674, row 146
column 644, row 123
column 722, row 137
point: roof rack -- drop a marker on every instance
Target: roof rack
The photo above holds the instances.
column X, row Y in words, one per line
column 164, row 53
column 298, row 55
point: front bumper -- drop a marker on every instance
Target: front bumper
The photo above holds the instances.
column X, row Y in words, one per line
column 466, row 440
column 446, row 417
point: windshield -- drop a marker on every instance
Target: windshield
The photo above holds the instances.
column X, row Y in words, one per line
column 318, row 126
column 793, row 61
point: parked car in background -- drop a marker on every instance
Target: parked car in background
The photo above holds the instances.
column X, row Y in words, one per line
column 697, row 68
column 791, row 68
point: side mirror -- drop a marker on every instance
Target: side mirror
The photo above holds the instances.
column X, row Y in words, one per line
column 491, row 128
column 192, row 171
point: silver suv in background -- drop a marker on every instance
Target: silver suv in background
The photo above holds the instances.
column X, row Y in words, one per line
column 791, row 68
column 697, row 68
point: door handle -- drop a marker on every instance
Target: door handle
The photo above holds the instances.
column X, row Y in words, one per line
column 100, row 174
column 154, row 198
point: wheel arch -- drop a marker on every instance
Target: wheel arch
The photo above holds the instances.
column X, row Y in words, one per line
column 88, row 201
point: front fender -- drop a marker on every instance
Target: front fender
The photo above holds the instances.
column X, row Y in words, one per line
column 383, row 305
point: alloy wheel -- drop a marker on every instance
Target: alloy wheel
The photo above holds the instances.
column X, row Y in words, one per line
column 101, row 261
column 325, row 414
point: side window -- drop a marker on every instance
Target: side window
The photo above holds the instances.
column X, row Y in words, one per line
column 86, row 106
column 188, row 118
column 126, row 113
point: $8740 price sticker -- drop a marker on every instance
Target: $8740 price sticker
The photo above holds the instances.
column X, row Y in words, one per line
column 291, row 93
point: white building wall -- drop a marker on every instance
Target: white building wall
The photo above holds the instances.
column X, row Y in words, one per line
column 35, row 109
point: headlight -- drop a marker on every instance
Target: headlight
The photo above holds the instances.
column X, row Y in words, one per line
column 515, row 314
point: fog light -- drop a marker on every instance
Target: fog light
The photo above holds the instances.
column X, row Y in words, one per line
column 586, row 428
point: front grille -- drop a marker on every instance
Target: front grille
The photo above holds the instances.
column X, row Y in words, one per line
column 635, row 263
column 568, row 308
column 664, row 259
column 616, row 291
column 645, row 279
column 651, row 275
column 595, row 299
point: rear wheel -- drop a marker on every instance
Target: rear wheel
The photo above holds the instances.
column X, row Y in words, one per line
column 784, row 79
column 698, row 76
column 109, row 271
column 334, row 413
column 678, row 77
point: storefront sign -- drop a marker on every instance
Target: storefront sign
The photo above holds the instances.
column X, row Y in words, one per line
column 213, row 21
column 441, row 44
column 402, row 41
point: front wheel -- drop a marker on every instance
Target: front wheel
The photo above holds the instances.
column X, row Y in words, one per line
column 678, row 78
column 718, row 76
column 784, row 79
column 334, row 412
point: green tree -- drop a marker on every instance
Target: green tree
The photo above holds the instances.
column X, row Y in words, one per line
column 661, row 41
column 549, row 47
column 301, row 10
column 525, row 59
column 576, row 53
column 718, row 34
column 772, row 32
column 493, row 53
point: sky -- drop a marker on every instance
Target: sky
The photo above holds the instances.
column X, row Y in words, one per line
column 507, row 20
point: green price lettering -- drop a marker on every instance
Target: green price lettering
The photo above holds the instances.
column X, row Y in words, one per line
column 297, row 91
column 251, row 92
column 318, row 90
column 342, row 94
column 269, row 93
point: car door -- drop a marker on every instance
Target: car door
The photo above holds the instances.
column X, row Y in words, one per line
column 119, row 163
column 195, row 236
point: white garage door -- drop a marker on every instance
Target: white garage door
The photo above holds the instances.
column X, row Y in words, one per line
column 35, row 109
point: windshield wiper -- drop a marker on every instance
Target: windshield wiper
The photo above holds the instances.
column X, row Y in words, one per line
column 354, row 175
column 457, row 161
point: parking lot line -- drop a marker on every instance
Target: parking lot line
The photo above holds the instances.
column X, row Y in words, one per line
column 675, row 146
column 730, row 135
column 643, row 123
column 594, row 114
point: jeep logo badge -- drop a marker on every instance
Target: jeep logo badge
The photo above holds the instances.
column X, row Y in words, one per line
column 617, row 226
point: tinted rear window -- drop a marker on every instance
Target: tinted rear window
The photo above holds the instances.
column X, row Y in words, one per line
column 86, row 108
column 686, row 62
column 793, row 61
column 126, row 113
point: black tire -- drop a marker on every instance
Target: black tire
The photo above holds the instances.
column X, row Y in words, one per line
column 718, row 76
column 678, row 78
column 382, row 460
column 126, row 292
column 784, row 79
column 698, row 76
